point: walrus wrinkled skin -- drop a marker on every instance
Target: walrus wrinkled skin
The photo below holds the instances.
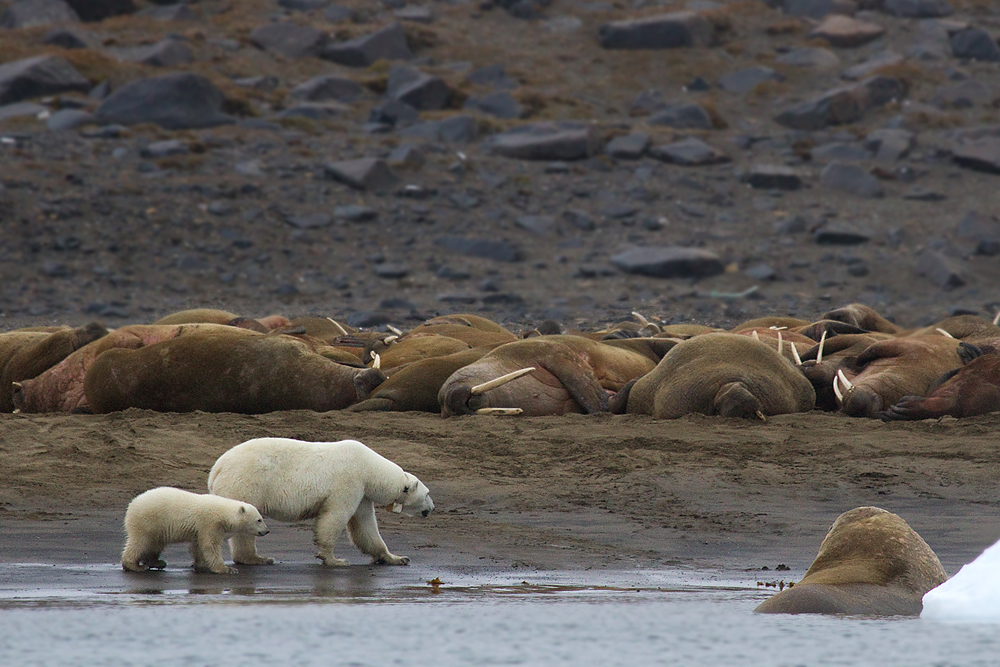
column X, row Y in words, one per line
column 223, row 371
column 973, row 389
column 870, row 562
column 718, row 374
column 571, row 374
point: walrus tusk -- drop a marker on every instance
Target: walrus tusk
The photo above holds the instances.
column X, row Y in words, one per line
column 499, row 411
column 795, row 353
column 760, row 415
column 376, row 361
column 15, row 384
column 389, row 340
column 819, row 352
column 996, row 320
column 755, row 336
column 836, row 390
column 848, row 387
column 642, row 320
column 503, row 379
column 943, row 332
column 343, row 331
column 780, row 342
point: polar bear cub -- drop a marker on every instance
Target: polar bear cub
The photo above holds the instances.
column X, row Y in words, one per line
column 337, row 483
column 166, row 515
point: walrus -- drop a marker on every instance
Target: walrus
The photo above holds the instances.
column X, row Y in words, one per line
column 863, row 317
column 870, row 562
column 44, row 352
column 973, row 389
column 821, row 362
column 567, row 374
column 471, row 329
column 718, row 374
column 218, row 371
column 891, row 369
column 415, row 347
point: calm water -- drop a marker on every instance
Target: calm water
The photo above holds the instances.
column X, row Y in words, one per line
column 97, row 615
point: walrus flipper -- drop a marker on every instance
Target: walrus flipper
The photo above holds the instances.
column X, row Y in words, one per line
column 580, row 383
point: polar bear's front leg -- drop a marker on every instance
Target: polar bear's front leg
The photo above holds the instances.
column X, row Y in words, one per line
column 363, row 530
column 244, row 548
column 330, row 524
column 207, row 552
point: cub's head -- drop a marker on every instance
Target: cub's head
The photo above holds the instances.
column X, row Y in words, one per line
column 249, row 521
column 414, row 498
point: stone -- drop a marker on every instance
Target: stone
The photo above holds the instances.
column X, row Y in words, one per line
column 501, row 251
column 289, row 39
column 543, row 225
column 842, row 105
column 167, row 53
column 454, row 129
column 179, row 12
column 669, row 262
column 415, row 14
column 67, row 38
column 69, row 119
column 420, row 90
column 982, row 154
column 327, row 87
column 851, row 179
column 663, row 31
column 815, row 57
column 391, row 270
column 389, row 43
column 818, row 9
column 174, row 101
column 162, row 149
column 918, row 193
column 22, row 109
column 311, row 221
column 691, row 152
column 691, row 116
column 963, row 95
column 833, row 234
column 493, row 76
column 37, row 76
column 840, row 151
column 772, row 177
column 304, row 5
column 354, row 213
column 98, row 10
column 629, row 146
column 500, row 104
column 939, row 269
column 918, row 9
column 363, row 174
column 393, row 113
column 745, row 80
column 846, row 32
column 889, row 144
column 546, row 141
column 874, row 62
column 975, row 44
column 33, row 13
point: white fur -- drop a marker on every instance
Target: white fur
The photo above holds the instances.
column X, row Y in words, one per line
column 337, row 483
column 166, row 515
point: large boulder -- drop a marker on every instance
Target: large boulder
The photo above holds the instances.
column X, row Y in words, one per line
column 41, row 75
column 175, row 101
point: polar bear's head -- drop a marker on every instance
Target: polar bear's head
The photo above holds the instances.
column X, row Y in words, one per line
column 414, row 498
column 249, row 521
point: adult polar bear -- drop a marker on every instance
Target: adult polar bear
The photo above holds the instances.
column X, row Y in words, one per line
column 337, row 483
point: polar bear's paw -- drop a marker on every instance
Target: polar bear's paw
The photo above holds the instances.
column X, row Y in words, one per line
column 330, row 561
column 254, row 560
column 158, row 564
column 391, row 559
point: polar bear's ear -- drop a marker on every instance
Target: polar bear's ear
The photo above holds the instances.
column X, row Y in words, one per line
column 243, row 509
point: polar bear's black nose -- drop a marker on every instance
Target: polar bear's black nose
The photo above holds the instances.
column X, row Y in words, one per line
column 425, row 512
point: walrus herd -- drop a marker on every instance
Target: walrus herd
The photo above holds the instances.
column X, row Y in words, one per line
column 850, row 360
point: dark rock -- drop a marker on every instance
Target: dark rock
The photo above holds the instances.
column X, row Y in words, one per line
column 454, row 129
column 503, row 298
column 839, row 151
column 407, row 156
column 814, row 57
column 303, row 5
column 162, row 149
column 69, row 119
column 917, row 193
column 793, row 224
column 890, row 145
column 918, row 9
column 773, row 177
column 389, row 43
column 312, row 111
column 761, row 272
column 628, row 147
column 745, row 80
column 67, row 38
column 846, row 32
column 354, row 213
column 850, row 178
column 311, row 221
column 415, row 14
column 33, row 13
column 369, row 318
column 363, row 174
column 981, row 154
column 493, row 76
column 983, row 231
column 690, row 152
column 501, row 251
column 690, row 116
column 339, row 14
column 939, row 269
column 457, row 297
column 327, row 87
column 262, row 82
column 391, row 270
column 179, row 12
column 647, row 102
column 500, row 104
column 579, row 219
column 838, row 235
column 546, row 141
column 98, row 10
column 418, row 89
column 174, row 101
column 669, row 262
column 37, row 76
column 874, row 62
column 842, row 105
column 975, row 44
column 818, row 9
column 963, row 95
column 393, row 113
column 543, row 225
column 167, row 53
column 664, row 31
column 289, row 39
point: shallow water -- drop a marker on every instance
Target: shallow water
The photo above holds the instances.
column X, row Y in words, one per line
column 373, row 616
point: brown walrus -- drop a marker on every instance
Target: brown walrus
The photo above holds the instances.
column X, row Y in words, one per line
column 718, row 374
column 567, row 374
column 221, row 371
column 973, row 389
column 870, row 562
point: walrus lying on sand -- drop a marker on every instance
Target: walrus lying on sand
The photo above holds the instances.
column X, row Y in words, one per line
column 217, row 371
column 870, row 562
column 718, row 374
column 973, row 389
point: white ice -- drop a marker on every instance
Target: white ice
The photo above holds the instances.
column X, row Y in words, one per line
column 972, row 595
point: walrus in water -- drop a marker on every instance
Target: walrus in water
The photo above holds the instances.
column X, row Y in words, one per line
column 973, row 389
column 221, row 371
column 543, row 375
column 718, row 374
column 871, row 562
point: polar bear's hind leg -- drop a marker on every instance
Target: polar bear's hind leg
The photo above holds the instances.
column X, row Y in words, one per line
column 363, row 529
